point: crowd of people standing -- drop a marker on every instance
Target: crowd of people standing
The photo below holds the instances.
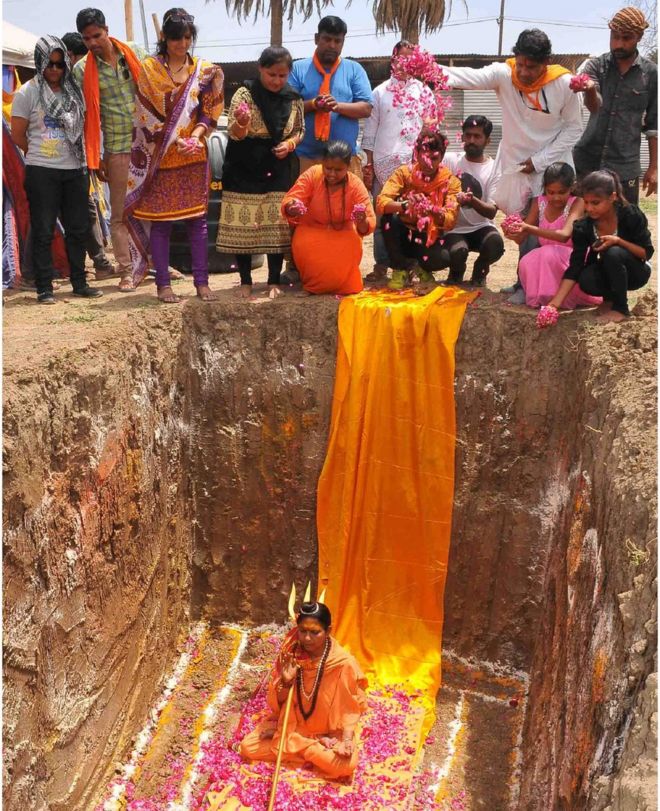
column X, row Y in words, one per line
column 294, row 186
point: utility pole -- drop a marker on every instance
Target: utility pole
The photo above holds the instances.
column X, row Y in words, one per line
column 154, row 18
column 128, row 16
column 144, row 26
column 500, row 22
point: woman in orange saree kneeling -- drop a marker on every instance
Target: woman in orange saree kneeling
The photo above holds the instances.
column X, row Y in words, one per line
column 328, row 699
column 331, row 211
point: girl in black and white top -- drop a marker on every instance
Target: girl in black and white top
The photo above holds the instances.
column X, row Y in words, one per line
column 611, row 247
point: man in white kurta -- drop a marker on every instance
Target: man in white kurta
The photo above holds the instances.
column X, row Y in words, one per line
column 541, row 116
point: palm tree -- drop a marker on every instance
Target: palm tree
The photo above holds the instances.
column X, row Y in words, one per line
column 242, row 9
column 409, row 16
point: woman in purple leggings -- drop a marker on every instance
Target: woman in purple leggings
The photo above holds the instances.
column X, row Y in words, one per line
column 179, row 99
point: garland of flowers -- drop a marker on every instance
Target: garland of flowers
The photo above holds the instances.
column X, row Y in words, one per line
column 300, row 690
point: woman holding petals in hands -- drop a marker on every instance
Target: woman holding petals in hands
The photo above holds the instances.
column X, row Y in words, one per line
column 266, row 124
column 331, row 212
column 179, row 100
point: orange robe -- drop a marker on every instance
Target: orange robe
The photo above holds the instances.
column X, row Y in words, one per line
column 340, row 702
column 326, row 246
column 442, row 190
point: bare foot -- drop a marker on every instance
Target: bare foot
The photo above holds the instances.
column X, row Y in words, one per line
column 611, row 317
column 274, row 291
column 605, row 307
column 205, row 293
column 167, row 296
column 245, row 291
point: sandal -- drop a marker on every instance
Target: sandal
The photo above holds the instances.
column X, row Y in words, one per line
column 101, row 274
column 399, row 280
column 126, row 285
column 167, row 297
column 378, row 274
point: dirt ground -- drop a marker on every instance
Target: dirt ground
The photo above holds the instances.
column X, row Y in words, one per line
column 82, row 319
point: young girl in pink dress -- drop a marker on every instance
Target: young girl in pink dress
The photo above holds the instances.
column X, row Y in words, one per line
column 551, row 217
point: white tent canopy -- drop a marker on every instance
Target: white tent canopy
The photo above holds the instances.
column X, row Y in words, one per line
column 17, row 46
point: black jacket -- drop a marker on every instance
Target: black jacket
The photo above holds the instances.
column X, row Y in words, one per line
column 632, row 226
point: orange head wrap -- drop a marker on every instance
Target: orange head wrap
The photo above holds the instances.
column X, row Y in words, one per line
column 629, row 19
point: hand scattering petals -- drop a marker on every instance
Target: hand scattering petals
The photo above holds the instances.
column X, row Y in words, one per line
column 580, row 81
column 300, row 207
column 512, row 223
column 358, row 210
column 418, row 108
column 192, row 144
column 547, row 317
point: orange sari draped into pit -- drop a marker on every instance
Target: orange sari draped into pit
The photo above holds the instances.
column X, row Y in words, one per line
column 341, row 701
column 326, row 246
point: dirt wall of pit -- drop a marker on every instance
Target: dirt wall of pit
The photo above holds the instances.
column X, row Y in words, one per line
column 171, row 472
column 590, row 733
column 96, row 557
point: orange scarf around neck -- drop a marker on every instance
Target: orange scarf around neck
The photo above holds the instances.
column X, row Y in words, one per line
column 551, row 73
column 322, row 118
column 93, row 101
column 435, row 188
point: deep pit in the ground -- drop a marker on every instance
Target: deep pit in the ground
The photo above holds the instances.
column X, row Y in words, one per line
column 168, row 473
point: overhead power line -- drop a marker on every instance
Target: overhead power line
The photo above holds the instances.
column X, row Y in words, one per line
column 562, row 23
column 208, row 43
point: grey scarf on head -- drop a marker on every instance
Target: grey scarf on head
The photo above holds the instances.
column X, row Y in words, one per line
column 68, row 107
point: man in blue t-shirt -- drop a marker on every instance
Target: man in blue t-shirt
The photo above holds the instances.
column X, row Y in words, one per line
column 336, row 93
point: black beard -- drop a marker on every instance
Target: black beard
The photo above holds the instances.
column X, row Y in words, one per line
column 620, row 54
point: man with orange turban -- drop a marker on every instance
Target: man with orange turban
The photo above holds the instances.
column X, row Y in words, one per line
column 622, row 98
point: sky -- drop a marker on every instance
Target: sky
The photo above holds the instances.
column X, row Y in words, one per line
column 222, row 39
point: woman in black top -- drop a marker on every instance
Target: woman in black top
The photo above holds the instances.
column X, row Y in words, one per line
column 266, row 124
column 611, row 246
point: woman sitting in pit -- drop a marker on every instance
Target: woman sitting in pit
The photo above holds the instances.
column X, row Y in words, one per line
column 328, row 699
column 331, row 211
column 419, row 203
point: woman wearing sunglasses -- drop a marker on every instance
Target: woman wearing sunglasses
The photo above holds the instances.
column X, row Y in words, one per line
column 179, row 100
column 47, row 121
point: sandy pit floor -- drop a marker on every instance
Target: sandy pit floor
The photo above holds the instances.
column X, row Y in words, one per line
column 183, row 756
